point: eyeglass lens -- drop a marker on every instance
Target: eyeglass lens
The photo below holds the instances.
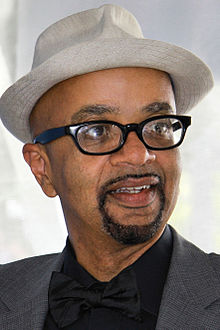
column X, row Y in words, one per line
column 162, row 133
column 105, row 137
column 99, row 137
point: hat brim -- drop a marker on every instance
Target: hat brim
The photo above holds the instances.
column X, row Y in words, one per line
column 191, row 77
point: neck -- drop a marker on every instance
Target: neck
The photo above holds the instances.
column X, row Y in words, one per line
column 105, row 258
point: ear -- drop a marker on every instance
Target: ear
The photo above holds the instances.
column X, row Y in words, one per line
column 36, row 157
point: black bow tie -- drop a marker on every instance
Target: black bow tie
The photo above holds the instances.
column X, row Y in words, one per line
column 68, row 299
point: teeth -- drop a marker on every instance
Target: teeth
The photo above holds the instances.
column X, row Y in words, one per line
column 131, row 190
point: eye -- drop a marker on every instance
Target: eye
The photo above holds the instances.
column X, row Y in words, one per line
column 161, row 128
column 99, row 137
column 96, row 131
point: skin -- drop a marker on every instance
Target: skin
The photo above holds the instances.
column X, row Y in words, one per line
column 79, row 179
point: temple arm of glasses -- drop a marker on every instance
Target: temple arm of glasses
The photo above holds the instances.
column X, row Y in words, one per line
column 176, row 126
column 50, row 135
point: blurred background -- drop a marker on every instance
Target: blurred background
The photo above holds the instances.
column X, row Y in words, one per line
column 31, row 223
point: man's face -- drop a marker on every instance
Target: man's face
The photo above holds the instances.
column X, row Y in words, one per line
column 127, row 195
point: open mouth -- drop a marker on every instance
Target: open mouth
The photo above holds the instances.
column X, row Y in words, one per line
column 131, row 190
column 135, row 193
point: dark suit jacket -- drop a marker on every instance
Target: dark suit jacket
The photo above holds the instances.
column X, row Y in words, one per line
column 191, row 297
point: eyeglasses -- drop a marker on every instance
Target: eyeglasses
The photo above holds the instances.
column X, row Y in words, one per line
column 105, row 137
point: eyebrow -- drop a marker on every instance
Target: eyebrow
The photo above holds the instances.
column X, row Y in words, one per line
column 100, row 109
column 157, row 107
column 93, row 110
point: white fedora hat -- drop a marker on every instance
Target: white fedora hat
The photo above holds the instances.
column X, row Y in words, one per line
column 98, row 39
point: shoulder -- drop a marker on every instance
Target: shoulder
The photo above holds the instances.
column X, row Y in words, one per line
column 27, row 278
column 215, row 262
column 34, row 266
column 185, row 251
column 29, row 262
column 192, row 289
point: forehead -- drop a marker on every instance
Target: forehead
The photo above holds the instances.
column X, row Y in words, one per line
column 122, row 88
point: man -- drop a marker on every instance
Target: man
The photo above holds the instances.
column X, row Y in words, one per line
column 100, row 117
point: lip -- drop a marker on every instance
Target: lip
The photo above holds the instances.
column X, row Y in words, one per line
column 142, row 199
column 135, row 182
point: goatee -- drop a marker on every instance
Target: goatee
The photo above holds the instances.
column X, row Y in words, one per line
column 132, row 234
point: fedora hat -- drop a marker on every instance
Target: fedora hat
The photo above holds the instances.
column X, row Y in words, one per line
column 99, row 39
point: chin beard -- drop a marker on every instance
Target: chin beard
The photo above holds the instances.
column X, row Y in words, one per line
column 132, row 234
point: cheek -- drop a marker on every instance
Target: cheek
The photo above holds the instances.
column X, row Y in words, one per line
column 78, row 179
column 171, row 164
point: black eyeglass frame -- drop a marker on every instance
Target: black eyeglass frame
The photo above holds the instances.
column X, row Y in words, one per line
column 55, row 133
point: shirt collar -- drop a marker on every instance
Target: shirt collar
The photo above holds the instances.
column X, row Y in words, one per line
column 151, row 271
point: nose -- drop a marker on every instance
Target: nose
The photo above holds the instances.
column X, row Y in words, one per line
column 133, row 153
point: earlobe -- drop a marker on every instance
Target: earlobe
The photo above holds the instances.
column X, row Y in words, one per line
column 38, row 161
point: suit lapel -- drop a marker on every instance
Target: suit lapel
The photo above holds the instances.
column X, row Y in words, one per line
column 24, row 292
column 191, row 298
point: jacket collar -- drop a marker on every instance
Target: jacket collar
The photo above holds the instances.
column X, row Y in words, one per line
column 192, row 289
